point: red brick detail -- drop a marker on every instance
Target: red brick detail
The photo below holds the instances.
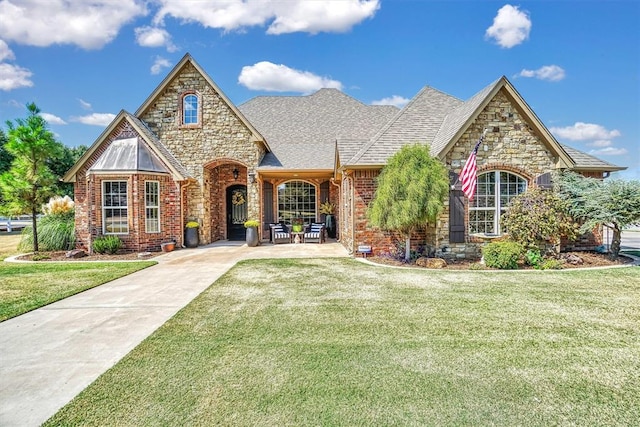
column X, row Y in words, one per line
column 88, row 200
column 218, row 177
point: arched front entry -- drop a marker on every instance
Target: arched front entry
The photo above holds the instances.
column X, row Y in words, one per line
column 236, row 211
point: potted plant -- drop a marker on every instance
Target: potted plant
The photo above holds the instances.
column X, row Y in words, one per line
column 252, row 232
column 191, row 234
column 296, row 225
column 327, row 208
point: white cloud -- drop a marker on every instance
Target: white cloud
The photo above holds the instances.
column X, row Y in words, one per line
column 511, row 26
column 600, row 143
column 609, row 151
column 321, row 16
column 88, row 24
column 160, row 64
column 395, row 100
column 52, row 119
column 5, row 51
column 84, row 104
column 14, row 77
column 95, row 119
column 552, row 73
column 154, row 37
column 584, row 132
column 280, row 78
column 285, row 16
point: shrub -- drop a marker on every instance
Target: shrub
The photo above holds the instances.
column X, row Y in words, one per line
column 107, row 244
column 551, row 264
column 251, row 223
column 192, row 224
column 56, row 232
column 533, row 258
column 58, row 205
column 502, row 255
column 539, row 216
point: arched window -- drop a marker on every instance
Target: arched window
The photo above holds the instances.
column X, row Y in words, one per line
column 296, row 199
column 190, row 109
column 494, row 191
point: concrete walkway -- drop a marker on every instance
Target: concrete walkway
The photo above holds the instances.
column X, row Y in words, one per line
column 50, row 355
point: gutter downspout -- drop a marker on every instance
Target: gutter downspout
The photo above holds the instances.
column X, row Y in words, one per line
column 339, row 187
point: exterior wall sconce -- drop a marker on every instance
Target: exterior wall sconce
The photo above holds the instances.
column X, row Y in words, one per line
column 235, row 173
column 252, row 177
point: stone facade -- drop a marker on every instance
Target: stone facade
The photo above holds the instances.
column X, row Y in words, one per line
column 221, row 137
column 510, row 144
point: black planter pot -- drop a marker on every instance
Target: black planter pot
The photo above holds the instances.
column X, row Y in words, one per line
column 191, row 237
column 252, row 236
column 330, row 225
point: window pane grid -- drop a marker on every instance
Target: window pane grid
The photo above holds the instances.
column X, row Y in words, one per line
column 296, row 199
column 114, row 206
column 152, row 206
column 494, row 192
column 190, row 109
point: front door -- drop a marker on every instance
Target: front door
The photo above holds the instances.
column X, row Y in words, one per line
column 236, row 211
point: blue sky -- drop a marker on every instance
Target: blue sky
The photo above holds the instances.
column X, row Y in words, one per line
column 577, row 63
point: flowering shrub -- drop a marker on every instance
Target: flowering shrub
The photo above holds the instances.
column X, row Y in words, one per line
column 58, row 205
column 538, row 216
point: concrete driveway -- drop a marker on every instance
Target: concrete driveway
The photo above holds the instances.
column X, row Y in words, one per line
column 50, row 355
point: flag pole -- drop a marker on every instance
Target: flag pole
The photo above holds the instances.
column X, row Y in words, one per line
column 484, row 133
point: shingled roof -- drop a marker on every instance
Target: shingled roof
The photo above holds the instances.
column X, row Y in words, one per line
column 302, row 130
column 585, row 162
column 418, row 121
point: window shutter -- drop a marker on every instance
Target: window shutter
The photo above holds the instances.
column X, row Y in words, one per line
column 544, row 181
column 324, row 192
column 267, row 204
column 456, row 216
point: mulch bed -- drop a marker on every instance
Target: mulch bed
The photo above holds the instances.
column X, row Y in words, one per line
column 61, row 256
column 589, row 259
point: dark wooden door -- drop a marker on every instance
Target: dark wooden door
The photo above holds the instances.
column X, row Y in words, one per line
column 236, row 211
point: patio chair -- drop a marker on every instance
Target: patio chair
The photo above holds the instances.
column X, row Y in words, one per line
column 280, row 234
column 314, row 233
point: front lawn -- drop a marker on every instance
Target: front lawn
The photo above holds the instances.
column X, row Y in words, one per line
column 336, row 342
column 25, row 287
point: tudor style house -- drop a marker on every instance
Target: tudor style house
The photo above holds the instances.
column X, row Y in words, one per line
column 189, row 154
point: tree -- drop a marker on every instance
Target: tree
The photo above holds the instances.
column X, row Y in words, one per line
column 5, row 156
column 411, row 191
column 5, row 159
column 611, row 203
column 538, row 216
column 28, row 183
column 61, row 164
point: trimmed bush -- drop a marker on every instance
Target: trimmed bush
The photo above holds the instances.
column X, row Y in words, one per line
column 56, row 232
column 502, row 255
column 107, row 244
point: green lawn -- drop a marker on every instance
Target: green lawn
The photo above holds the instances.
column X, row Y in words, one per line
column 336, row 342
column 25, row 287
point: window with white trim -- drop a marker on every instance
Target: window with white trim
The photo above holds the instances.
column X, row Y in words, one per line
column 115, row 212
column 296, row 199
column 190, row 109
column 494, row 192
column 152, row 206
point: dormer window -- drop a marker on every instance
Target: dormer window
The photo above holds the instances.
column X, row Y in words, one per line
column 190, row 110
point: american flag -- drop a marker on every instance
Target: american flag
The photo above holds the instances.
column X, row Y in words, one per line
column 469, row 172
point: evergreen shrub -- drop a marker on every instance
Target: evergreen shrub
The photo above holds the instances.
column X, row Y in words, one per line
column 502, row 255
column 107, row 244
